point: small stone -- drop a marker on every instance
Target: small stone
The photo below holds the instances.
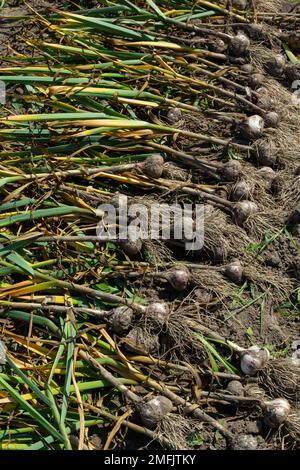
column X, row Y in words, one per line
column 254, row 427
column 235, row 388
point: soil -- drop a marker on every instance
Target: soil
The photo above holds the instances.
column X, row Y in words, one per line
column 283, row 255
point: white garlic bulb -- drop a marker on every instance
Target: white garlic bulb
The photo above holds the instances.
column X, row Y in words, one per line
column 154, row 410
column 253, row 127
column 253, row 360
column 276, row 412
column 158, row 311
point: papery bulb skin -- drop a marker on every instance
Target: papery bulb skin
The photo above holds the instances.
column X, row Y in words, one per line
column 131, row 247
column 231, row 170
column 235, row 388
column 234, row 271
column 179, row 278
column 153, row 166
column 276, row 412
column 266, row 153
column 256, row 80
column 159, row 311
column 153, row 411
column 174, row 115
column 252, row 127
column 240, row 4
column 120, row 319
column 240, row 191
column 239, row 44
column 272, row 119
column 137, row 340
column 253, row 360
column 276, row 66
column 243, row 210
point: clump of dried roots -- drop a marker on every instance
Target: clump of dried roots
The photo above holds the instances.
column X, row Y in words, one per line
column 289, row 193
column 269, row 6
column 262, row 55
column 265, row 221
column 267, row 277
column 259, row 182
column 222, row 239
column 175, row 331
column 285, row 138
column 177, row 429
column 291, row 428
column 213, row 282
column 175, row 172
column 157, row 251
column 281, row 377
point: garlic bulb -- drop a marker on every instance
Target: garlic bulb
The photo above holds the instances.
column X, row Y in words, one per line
column 234, row 271
column 243, row 210
column 247, row 68
column 131, row 247
column 256, row 80
column 153, row 411
column 240, row 4
column 159, row 311
column 218, row 45
column 266, row 153
column 253, row 360
column 292, row 72
column 221, row 192
column 239, row 44
column 267, row 174
column 254, row 391
column 276, row 412
column 179, row 278
column 263, row 90
column 240, row 191
column 235, row 388
column 272, row 119
column 276, row 66
column 264, row 101
column 138, row 340
column 254, row 30
column 119, row 319
column 153, row 166
column 252, row 127
column 231, row 170
column 174, row 115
